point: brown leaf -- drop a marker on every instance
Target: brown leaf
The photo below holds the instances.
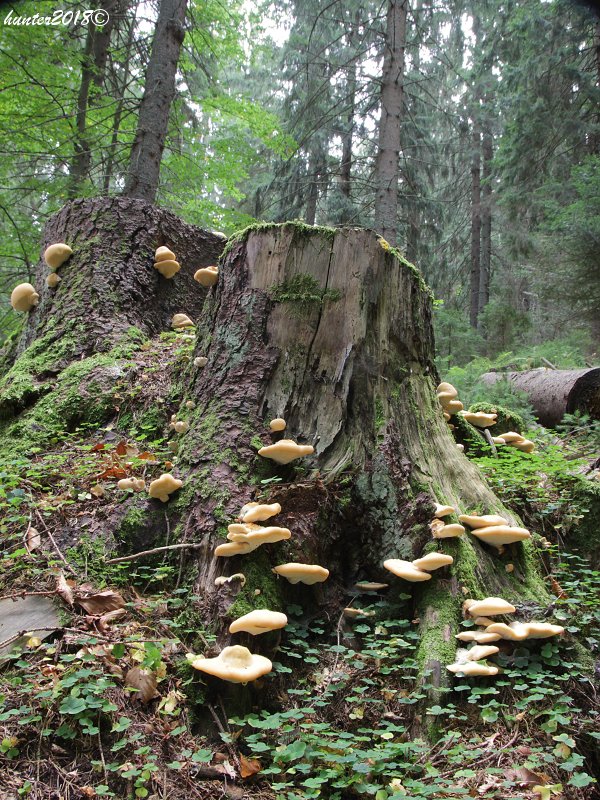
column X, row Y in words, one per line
column 112, row 472
column 97, row 490
column 249, row 766
column 33, row 540
column 63, row 589
column 97, row 447
column 101, row 602
column 121, row 448
column 523, row 776
column 146, row 456
column 144, row 681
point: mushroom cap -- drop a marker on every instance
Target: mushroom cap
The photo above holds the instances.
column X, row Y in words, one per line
column 406, row 570
column 447, row 531
column 162, row 487
column 259, row 512
column 473, row 668
column 481, row 637
column 57, row 254
column 485, row 621
column 137, row 484
column 443, row 511
column 277, row 424
column 479, row 652
column 447, row 388
column 446, row 416
column 488, row 607
column 479, row 419
column 453, row 407
column 485, row 521
column 512, row 436
column 354, row 613
column 461, row 447
column 181, row 321
column 228, row 549
column 260, row 621
column 370, row 586
column 181, row 426
column 164, row 254
column 52, row 280
column 255, row 535
column 432, row 561
column 24, row 297
column 168, row 268
column 235, row 664
column 519, row 631
column 302, row 573
column 200, row 361
column 497, row 535
column 525, row 445
column 286, row 450
column 207, row 276
column 498, row 440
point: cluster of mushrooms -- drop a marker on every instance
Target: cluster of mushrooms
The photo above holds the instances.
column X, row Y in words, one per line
column 236, row 663
column 24, row 296
column 447, row 395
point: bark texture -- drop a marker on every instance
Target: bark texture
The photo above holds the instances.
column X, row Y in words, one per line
column 390, row 123
column 556, row 392
column 159, row 93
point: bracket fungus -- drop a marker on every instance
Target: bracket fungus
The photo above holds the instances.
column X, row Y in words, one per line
column 499, row 535
column 237, row 576
column 277, row 425
column 370, row 586
column 488, row 607
column 473, row 668
column 207, row 276
column 200, row 361
column 168, row 268
column 513, row 439
column 53, row 280
column 164, row 254
column 57, row 254
column 432, row 561
column 255, row 535
column 259, row 512
column 480, row 652
column 447, row 531
column 481, row 637
column 235, row 664
column 443, row 511
column 356, row 613
column 302, row 573
column 485, row 521
column 286, row 450
column 162, row 487
column 260, row 621
column 24, row 297
column 519, row 631
column 406, row 570
column 479, row 419
column 228, row 549
column 137, row 484
column 181, row 321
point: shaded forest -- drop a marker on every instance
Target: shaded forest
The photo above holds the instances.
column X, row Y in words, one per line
column 299, row 400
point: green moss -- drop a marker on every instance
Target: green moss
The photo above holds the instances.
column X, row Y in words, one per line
column 507, row 420
column 300, row 227
column 385, row 245
column 467, row 435
column 257, row 569
column 440, row 615
column 584, row 534
column 304, row 292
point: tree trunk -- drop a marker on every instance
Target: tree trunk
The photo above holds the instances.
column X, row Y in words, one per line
column 390, row 123
column 159, row 93
column 348, row 131
column 555, row 392
column 486, row 221
column 475, row 223
column 92, row 70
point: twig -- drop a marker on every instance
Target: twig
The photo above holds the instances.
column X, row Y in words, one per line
column 490, row 441
column 54, row 545
column 226, row 737
column 134, row 556
column 18, row 595
column 548, row 363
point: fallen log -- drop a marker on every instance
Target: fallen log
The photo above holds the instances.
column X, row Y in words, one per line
column 555, row 392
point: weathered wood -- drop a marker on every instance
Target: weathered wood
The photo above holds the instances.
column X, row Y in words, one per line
column 554, row 393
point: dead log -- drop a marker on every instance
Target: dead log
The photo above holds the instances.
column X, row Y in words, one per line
column 555, row 392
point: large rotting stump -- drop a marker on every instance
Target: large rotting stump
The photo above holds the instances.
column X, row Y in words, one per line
column 332, row 331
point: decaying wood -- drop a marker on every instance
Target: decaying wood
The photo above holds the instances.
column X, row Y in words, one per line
column 556, row 392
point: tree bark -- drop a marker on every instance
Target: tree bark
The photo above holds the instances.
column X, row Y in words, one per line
column 486, row 221
column 159, row 93
column 348, row 131
column 390, row 123
column 475, row 223
column 555, row 392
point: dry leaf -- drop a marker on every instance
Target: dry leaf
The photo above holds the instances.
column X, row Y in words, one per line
column 33, row 540
column 144, row 681
column 146, row 456
column 63, row 589
column 249, row 766
column 121, row 448
column 112, row 472
column 524, row 776
column 101, row 602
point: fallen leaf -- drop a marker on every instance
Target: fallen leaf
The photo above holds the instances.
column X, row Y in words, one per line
column 33, row 540
column 249, row 766
column 101, row 602
column 523, row 776
column 144, row 681
column 63, row 589
column 98, row 447
column 121, row 448
column 546, row 792
column 146, row 456
column 112, row 472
